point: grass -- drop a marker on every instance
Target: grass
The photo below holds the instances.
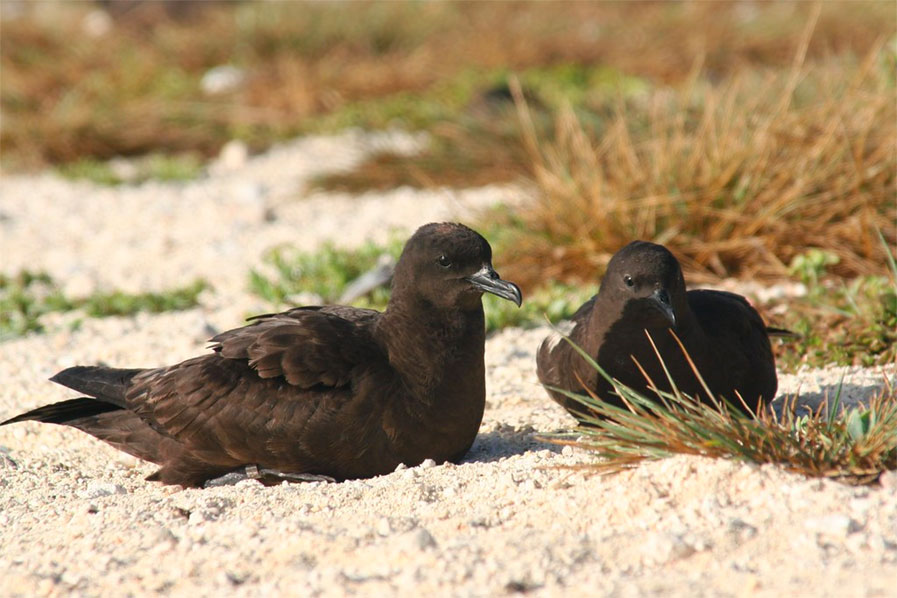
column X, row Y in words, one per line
column 320, row 276
column 738, row 180
column 841, row 322
column 152, row 167
column 28, row 296
column 850, row 445
column 69, row 95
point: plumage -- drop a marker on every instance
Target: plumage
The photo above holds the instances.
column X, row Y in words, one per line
column 643, row 291
column 334, row 391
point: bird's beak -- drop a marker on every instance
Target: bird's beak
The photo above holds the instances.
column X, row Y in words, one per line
column 488, row 280
column 662, row 300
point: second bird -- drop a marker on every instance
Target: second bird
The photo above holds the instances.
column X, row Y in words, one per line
column 643, row 291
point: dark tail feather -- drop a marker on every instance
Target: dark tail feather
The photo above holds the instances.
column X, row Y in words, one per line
column 98, row 381
column 119, row 427
column 64, row 412
column 783, row 333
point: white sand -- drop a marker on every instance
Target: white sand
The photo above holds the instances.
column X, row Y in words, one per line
column 77, row 519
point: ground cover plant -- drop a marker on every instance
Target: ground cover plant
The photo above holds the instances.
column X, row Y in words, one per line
column 852, row 445
column 28, row 296
column 78, row 85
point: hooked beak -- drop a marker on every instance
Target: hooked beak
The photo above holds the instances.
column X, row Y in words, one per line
column 488, row 280
column 662, row 301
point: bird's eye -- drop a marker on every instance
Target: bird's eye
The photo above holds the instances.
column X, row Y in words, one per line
column 444, row 261
column 628, row 280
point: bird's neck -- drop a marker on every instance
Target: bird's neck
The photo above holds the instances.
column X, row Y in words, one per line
column 429, row 348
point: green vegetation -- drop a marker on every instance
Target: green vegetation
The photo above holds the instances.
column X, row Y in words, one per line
column 322, row 276
column 27, row 296
column 847, row 323
column 851, row 445
column 69, row 94
column 324, row 273
column 153, row 167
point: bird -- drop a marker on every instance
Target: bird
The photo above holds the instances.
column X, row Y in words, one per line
column 643, row 293
column 315, row 392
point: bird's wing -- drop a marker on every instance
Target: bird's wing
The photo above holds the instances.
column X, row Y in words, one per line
column 266, row 385
column 305, row 346
column 729, row 314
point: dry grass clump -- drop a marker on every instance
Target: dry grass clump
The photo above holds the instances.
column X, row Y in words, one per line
column 850, row 445
column 737, row 179
column 67, row 94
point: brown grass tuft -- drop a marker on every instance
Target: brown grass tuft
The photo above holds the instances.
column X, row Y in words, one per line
column 67, row 95
column 735, row 179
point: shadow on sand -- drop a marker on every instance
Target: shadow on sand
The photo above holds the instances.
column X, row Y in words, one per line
column 507, row 441
column 848, row 397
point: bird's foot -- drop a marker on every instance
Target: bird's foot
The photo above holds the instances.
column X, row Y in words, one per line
column 268, row 477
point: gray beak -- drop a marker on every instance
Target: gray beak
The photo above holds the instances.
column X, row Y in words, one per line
column 662, row 300
column 488, row 280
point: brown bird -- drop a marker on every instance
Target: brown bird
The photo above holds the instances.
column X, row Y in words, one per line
column 643, row 291
column 332, row 391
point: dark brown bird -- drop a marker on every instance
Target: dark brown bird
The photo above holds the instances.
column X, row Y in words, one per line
column 329, row 391
column 643, row 291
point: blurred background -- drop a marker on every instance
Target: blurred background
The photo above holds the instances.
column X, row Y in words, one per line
column 758, row 140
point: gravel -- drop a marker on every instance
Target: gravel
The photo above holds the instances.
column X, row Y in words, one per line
column 77, row 518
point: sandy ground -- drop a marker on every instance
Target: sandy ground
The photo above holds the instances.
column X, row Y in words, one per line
column 77, row 519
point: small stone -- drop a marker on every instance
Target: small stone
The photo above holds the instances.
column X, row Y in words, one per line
column 888, row 479
column 834, row 526
column 222, row 79
column 420, row 539
column 97, row 489
column 427, row 464
column 384, row 528
column 96, row 23
column 567, row 451
column 662, row 548
column 233, row 155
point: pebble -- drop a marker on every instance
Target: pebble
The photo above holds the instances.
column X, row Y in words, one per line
column 97, row 489
column 834, row 526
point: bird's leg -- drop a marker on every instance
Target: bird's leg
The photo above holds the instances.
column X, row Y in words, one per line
column 268, row 477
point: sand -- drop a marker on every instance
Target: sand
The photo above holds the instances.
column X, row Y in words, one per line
column 77, row 518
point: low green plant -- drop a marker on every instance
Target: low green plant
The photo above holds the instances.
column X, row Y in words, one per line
column 153, row 167
column 841, row 322
column 851, row 445
column 324, row 273
column 27, row 296
column 812, row 265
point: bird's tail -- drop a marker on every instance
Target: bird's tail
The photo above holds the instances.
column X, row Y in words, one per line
column 783, row 333
column 110, row 423
column 65, row 412
column 106, row 416
column 109, row 384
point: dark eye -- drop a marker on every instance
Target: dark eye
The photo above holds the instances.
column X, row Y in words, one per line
column 444, row 261
column 628, row 280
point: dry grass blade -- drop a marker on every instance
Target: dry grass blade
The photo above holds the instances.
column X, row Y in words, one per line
column 736, row 179
column 854, row 446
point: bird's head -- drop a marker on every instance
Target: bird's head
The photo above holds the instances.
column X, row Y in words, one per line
column 647, row 280
column 450, row 267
